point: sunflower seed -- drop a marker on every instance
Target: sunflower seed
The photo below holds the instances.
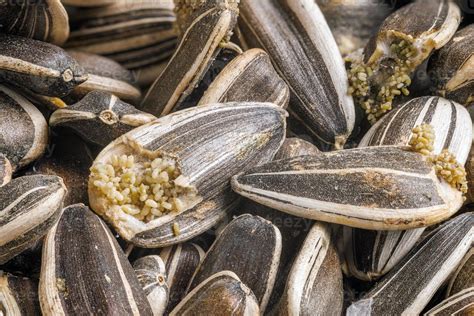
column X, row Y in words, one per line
column 463, row 277
column 294, row 147
column 249, row 77
column 5, row 170
column 404, row 41
column 181, row 261
column 19, row 296
column 314, row 285
column 184, row 176
column 250, row 247
column 24, row 129
column 44, row 20
column 211, row 26
column 383, row 188
column 305, row 54
column 100, row 117
column 138, row 34
column 30, row 206
column 151, row 274
column 451, row 123
column 105, row 75
column 222, row 293
column 82, row 245
column 452, row 67
column 409, row 287
column 460, row 293
column 371, row 254
column 40, row 67
column 459, row 304
column 353, row 22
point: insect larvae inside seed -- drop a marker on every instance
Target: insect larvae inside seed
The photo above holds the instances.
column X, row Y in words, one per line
column 422, row 139
column 141, row 187
column 374, row 85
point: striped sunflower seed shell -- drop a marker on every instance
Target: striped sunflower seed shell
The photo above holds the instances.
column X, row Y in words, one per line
column 305, row 54
column 225, row 139
column 82, row 245
column 30, row 206
column 19, row 295
column 250, row 247
column 408, row 288
column 105, row 75
column 211, row 26
column 314, row 285
column 371, row 254
column 100, row 118
column 138, row 34
column 181, row 262
column 39, row 67
column 248, row 77
column 24, row 129
column 222, row 293
column 44, row 20
column 453, row 67
column 382, row 188
column 151, row 274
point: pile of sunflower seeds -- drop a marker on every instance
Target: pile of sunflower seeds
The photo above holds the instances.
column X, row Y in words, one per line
column 236, row 157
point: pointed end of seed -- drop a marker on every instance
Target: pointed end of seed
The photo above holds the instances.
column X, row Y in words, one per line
column 339, row 142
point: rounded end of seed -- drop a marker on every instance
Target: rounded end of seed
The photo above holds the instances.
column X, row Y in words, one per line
column 339, row 142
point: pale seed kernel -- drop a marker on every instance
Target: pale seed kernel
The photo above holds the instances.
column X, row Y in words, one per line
column 143, row 189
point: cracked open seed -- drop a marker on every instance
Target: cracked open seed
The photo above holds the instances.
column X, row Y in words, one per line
column 159, row 184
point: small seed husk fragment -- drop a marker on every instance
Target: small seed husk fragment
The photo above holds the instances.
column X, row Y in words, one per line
column 82, row 245
column 105, row 75
column 305, row 54
column 30, row 206
column 453, row 67
column 314, row 285
column 100, row 118
column 24, row 129
column 40, row 67
column 151, row 274
column 222, row 293
column 5, row 170
column 382, row 72
column 44, row 20
column 371, row 254
column 250, row 247
column 188, row 173
column 248, row 77
column 211, row 26
column 19, row 295
column 408, row 288
column 381, row 188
